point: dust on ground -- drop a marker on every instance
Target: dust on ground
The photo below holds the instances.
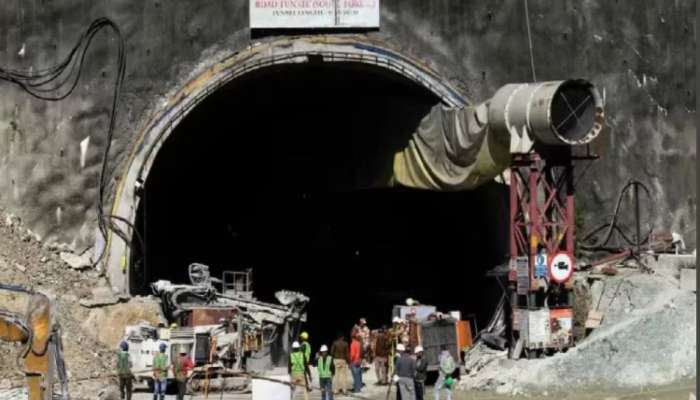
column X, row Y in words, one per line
column 26, row 262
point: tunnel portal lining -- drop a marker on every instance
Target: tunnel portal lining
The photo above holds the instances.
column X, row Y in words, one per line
column 169, row 113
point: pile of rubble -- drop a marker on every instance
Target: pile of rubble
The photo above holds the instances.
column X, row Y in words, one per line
column 646, row 338
column 68, row 280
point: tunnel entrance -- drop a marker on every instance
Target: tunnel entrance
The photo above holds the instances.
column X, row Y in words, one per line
column 285, row 171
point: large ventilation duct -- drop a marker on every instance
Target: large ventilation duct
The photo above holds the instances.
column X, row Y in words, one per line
column 462, row 148
column 560, row 113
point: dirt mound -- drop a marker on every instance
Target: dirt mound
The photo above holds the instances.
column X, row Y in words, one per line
column 117, row 317
column 25, row 261
column 647, row 338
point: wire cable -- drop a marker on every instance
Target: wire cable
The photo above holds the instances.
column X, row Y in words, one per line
column 59, row 81
column 529, row 39
column 614, row 225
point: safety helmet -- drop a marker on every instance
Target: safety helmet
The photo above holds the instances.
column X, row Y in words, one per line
column 173, row 326
column 162, row 347
column 295, row 345
column 449, row 382
column 124, row 345
column 324, row 348
column 418, row 349
column 363, row 321
column 396, row 320
column 304, row 336
column 400, row 347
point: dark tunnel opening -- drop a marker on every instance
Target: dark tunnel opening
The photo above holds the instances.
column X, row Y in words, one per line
column 285, row 171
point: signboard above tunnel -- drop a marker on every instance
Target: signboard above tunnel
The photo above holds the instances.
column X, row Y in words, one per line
column 271, row 14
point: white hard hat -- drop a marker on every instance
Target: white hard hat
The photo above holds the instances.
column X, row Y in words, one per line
column 324, row 348
column 418, row 349
column 295, row 345
column 396, row 320
column 400, row 347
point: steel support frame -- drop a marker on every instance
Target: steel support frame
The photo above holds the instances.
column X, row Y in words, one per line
column 541, row 218
column 541, row 208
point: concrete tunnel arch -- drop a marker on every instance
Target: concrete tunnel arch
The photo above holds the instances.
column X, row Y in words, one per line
column 240, row 73
column 165, row 118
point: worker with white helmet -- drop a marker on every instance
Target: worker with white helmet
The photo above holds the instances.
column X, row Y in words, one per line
column 298, row 369
column 326, row 370
column 421, row 372
column 405, row 373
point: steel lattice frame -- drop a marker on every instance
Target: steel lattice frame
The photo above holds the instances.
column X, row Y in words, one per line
column 541, row 209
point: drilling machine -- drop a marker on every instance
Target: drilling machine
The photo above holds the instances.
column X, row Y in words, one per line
column 42, row 352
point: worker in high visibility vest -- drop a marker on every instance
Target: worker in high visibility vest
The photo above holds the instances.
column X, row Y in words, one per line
column 306, row 346
column 298, row 369
column 160, row 373
column 326, row 370
column 124, row 371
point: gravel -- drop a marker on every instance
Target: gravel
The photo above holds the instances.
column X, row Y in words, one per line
column 25, row 261
column 647, row 338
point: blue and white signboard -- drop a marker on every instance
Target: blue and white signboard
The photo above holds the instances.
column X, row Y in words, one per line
column 541, row 265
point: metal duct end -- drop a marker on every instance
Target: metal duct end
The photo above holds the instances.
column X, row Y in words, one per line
column 557, row 113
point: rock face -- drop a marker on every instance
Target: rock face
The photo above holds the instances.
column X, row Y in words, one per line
column 641, row 58
column 106, row 324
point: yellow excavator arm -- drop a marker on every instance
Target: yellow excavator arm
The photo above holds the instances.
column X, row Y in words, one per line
column 42, row 343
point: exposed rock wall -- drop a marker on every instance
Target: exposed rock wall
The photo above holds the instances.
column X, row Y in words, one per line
column 640, row 54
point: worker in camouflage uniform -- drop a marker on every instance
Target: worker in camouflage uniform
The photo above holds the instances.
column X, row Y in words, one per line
column 124, row 371
column 160, row 373
column 382, row 351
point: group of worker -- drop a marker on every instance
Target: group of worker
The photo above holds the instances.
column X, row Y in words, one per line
column 390, row 354
column 411, row 372
column 181, row 368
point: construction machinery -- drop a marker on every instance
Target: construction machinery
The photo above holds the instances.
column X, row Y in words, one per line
column 41, row 358
column 526, row 136
column 227, row 333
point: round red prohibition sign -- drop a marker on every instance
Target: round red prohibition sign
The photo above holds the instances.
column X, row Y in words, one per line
column 561, row 267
